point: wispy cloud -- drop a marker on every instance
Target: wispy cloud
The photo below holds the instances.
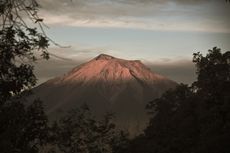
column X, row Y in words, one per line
column 159, row 15
column 178, row 15
column 181, row 70
column 76, row 53
column 133, row 23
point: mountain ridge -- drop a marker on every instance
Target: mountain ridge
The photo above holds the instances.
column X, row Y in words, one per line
column 106, row 61
column 106, row 83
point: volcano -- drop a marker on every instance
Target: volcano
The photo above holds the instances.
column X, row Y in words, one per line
column 106, row 84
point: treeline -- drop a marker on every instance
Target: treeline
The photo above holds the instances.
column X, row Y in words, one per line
column 27, row 130
column 192, row 119
column 189, row 119
column 24, row 126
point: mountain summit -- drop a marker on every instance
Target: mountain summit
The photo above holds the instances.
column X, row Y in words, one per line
column 106, row 83
column 107, row 68
column 104, row 57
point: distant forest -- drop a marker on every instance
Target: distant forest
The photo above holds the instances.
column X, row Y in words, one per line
column 189, row 119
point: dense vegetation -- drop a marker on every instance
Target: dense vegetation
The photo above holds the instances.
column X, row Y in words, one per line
column 189, row 119
column 24, row 127
column 78, row 131
column 192, row 119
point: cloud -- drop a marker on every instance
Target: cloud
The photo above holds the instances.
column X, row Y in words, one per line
column 184, row 2
column 177, row 15
column 181, row 71
column 165, row 15
column 63, row 60
column 75, row 52
column 144, row 24
column 45, row 70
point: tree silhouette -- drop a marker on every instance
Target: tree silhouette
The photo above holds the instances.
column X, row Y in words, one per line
column 212, row 88
column 23, row 128
column 80, row 132
column 192, row 119
column 18, row 44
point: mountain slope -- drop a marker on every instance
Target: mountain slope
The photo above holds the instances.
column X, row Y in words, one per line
column 106, row 84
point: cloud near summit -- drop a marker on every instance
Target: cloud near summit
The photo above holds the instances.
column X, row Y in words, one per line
column 165, row 15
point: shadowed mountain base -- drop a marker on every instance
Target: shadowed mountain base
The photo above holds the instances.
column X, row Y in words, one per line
column 106, row 84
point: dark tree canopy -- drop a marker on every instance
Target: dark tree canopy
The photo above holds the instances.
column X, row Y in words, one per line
column 19, row 44
column 189, row 119
column 23, row 128
column 192, row 119
column 79, row 131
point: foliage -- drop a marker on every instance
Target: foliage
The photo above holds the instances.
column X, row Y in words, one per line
column 23, row 128
column 18, row 44
column 80, row 132
column 192, row 119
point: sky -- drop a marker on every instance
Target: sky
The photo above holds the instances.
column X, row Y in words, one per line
column 163, row 34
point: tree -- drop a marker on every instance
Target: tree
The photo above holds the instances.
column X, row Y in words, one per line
column 163, row 133
column 192, row 119
column 18, row 44
column 80, row 132
column 213, row 90
column 23, row 128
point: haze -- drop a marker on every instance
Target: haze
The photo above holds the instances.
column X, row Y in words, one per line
column 161, row 33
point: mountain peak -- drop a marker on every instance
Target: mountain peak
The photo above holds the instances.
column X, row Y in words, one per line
column 106, row 84
column 104, row 57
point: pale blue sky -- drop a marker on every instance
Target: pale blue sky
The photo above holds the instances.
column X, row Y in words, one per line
column 137, row 43
column 161, row 33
